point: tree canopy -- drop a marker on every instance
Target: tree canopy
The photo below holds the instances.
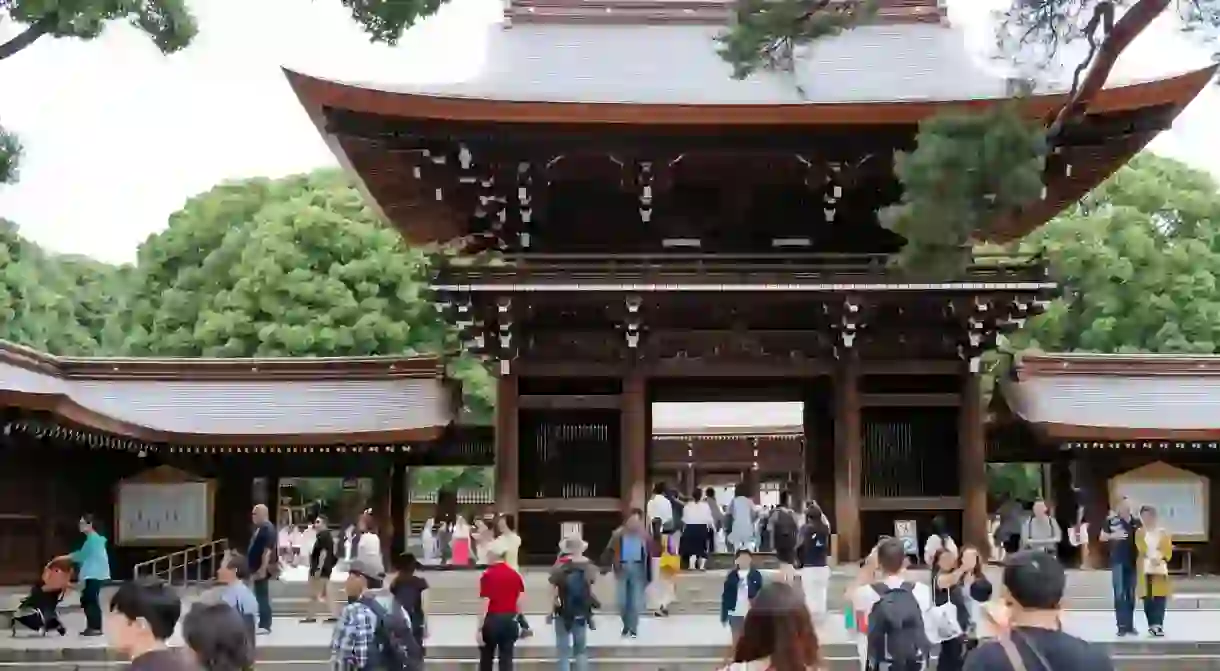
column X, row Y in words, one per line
column 291, row 267
column 1139, row 260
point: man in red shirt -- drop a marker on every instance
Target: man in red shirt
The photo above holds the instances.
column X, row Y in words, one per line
column 500, row 587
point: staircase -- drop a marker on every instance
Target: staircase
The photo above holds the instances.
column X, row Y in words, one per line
column 193, row 566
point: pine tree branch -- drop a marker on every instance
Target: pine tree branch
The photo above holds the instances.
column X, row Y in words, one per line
column 28, row 36
column 1132, row 23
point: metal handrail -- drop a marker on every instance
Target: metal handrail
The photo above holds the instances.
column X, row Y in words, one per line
column 179, row 567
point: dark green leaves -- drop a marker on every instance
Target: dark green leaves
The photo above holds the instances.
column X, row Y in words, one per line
column 967, row 172
column 386, row 20
column 766, row 33
column 10, row 152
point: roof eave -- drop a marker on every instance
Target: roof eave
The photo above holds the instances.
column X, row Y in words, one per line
column 316, row 94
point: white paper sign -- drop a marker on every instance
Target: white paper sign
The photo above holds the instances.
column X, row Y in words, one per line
column 153, row 512
column 905, row 531
column 1180, row 505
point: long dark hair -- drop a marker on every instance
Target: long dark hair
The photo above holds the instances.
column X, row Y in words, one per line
column 220, row 637
column 778, row 627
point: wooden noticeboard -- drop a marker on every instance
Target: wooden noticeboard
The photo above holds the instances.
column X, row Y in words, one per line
column 164, row 507
column 1180, row 497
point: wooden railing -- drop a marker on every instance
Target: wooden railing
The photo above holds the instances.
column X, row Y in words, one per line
column 185, row 567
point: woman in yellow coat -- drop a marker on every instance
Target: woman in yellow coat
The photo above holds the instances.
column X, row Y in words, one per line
column 1155, row 546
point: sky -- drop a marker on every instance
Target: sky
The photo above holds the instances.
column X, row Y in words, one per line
column 118, row 136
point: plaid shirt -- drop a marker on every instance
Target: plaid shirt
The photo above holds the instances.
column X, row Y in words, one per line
column 352, row 644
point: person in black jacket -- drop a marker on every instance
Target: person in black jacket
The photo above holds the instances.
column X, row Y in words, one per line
column 741, row 585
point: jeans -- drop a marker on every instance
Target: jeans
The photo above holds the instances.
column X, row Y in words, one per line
column 262, row 594
column 1122, row 577
column 500, row 634
column 1154, row 606
column 571, row 641
column 91, row 603
column 632, row 579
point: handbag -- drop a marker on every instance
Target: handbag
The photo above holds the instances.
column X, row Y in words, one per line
column 943, row 624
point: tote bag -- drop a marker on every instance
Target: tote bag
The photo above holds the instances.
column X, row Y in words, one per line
column 941, row 622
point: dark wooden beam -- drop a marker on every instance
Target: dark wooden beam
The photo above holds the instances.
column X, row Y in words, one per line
column 569, row 402
column 910, row 400
column 908, row 503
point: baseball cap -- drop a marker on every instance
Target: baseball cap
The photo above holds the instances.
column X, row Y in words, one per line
column 370, row 569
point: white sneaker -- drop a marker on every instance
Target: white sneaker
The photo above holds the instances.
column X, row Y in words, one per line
column 262, row 632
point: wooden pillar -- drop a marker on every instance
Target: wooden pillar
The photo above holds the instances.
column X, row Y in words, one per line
column 848, row 458
column 633, row 465
column 507, row 436
column 972, row 462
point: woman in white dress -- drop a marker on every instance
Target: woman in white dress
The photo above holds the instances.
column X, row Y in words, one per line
column 427, row 538
column 778, row 634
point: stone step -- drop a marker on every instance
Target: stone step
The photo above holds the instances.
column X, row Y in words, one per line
column 839, row 657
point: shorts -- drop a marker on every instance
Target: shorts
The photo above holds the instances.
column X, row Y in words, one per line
column 321, row 572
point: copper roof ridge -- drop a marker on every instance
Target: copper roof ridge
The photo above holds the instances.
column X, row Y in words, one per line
column 236, row 369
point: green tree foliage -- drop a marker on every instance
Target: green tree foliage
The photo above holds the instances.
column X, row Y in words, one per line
column 967, row 172
column 53, row 303
column 291, row 267
column 431, row 479
column 1139, row 260
column 10, row 150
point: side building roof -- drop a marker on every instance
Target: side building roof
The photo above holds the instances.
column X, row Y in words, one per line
column 1117, row 397
column 273, row 401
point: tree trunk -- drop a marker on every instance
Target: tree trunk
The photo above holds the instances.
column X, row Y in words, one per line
column 1126, row 29
column 27, row 37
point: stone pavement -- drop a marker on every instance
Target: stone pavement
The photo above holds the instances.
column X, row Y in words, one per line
column 680, row 643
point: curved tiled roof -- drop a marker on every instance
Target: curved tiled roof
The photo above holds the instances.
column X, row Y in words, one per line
column 235, row 401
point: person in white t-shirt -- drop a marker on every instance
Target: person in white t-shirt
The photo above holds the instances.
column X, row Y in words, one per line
column 698, row 525
column 659, row 508
column 886, row 564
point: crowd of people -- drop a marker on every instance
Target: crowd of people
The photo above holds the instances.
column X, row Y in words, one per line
column 897, row 620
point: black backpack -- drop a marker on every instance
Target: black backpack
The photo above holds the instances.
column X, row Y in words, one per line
column 397, row 649
column 896, row 634
column 783, row 528
column 575, row 597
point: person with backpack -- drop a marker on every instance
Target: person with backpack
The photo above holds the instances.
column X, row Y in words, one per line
column 369, row 635
column 573, row 577
column 785, row 527
column 1041, row 531
column 890, row 612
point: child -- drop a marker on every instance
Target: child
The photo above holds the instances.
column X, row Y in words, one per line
column 38, row 611
column 741, row 585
